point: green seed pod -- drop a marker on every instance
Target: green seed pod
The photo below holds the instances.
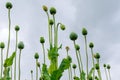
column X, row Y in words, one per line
column 45, row 8
column 17, row 28
column 51, row 22
column 84, row 31
column 108, row 66
column 97, row 66
column 52, row 11
column 69, row 58
column 2, row 45
column 96, row 77
column 77, row 47
column 104, row 65
column 91, row 45
column 42, row 40
column 67, row 48
column 97, row 56
column 38, row 64
column 36, row 56
column 62, row 27
column 31, row 71
column 74, row 66
column 20, row 45
column 73, row 36
column 8, row 5
column 90, row 78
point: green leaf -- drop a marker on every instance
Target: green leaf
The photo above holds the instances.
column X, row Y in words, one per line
column 53, row 55
column 91, row 72
column 82, row 75
column 9, row 61
column 45, row 73
column 65, row 64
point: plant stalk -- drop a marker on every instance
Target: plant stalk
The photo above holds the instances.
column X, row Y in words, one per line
column 19, row 69
column 8, row 33
column 86, row 56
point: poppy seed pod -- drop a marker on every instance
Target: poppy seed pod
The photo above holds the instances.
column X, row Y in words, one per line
column 74, row 66
column 45, row 8
column 8, row 5
column 104, row 65
column 2, row 45
column 97, row 56
column 91, row 45
column 108, row 66
column 84, row 31
column 67, row 48
column 36, row 56
column 97, row 66
column 17, row 28
column 62, row 27
column 52, row 11
column 31, row 71
column 42, row 40
column 51, row 22
column 20, row 45
column 73, row 36
column 96, row 78
column 69, row 58
column 77, row 47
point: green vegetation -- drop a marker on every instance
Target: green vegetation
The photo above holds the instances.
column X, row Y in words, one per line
column 54, row 71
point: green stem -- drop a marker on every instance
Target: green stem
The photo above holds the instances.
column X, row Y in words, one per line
column 36, row 69
column 19, row 69
column 40, row 71
column 74, row 72
column 77, row 58
column 71, row 71
column 106, row 73
column 8, row 33
column 43, row 52
column 93, row 62
column 55, row 32
column 109, row 74
column 11, row 72
column 15, row 55
column 80, row 59
column 31, row 76
column 86, row 56
column 99, row 74
column 51, row 36
column 1, row 63
column 50, row 42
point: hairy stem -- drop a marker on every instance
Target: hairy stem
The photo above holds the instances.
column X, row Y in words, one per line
column 86, row 56
column 19, row 69
column 1, row 63
column 77, row 58
column 15, row 55
column 109, row 74
column 36, row 69
column 8, row 33
column 43, row 52
column 80, row 60
column 106, row 73
column 93, row 62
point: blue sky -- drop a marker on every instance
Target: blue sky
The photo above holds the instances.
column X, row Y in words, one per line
column 100, row 17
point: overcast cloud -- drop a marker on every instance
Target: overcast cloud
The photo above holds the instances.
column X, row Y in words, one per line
column 100, row 17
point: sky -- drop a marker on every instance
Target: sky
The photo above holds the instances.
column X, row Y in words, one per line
column 100, row 17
